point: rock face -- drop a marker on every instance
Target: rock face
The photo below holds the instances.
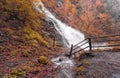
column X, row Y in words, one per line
column 93, row 17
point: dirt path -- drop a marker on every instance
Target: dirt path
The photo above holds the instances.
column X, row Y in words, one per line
column 103, row 65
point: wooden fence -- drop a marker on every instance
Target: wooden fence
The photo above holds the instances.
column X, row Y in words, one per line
column 88, row 43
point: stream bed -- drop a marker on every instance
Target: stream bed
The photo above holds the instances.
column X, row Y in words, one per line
column 65, row 65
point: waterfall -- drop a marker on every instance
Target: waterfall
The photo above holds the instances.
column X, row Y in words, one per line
column 69, row 34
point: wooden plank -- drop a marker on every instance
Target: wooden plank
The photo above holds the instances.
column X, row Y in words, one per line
column 80, row 42
column 80, row 45
column 90, row 44
column 71, row 51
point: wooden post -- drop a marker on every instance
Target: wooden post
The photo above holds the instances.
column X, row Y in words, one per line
column 71, row 51
column 90, row 44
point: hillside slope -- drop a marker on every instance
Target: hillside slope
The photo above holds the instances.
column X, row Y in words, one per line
column 25, row 40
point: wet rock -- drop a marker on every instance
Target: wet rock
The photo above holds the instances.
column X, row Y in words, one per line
column 13, row 64
column 1, row 75
column 60, row 59
column 35, row 72
column 64, row 65
column 108, row 63
column 48, row 77
column 86, row 55
column 65, row 73
column 1, row 41
column 115, row 75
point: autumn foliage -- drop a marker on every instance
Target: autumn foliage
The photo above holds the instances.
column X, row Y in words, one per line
column 93, row 17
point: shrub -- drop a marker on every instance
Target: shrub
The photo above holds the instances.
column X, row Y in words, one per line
column 13, row 53
column 15, row 73
column 43, row 60
column 10, row 76
column 9, row 31
column 81, row 69
column 26, row 68
column 25, row 53
column 31, row 34
column 85, row 62
column 18, row 72
column 33, row 43
column 1, row 48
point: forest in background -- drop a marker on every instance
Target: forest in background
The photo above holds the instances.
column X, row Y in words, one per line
column 92, row 17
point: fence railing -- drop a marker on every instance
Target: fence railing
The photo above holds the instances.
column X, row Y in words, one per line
column 88, row 43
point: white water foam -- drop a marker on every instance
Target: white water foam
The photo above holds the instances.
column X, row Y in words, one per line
column 65, row 64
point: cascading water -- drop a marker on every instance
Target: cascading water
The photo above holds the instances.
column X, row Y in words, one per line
column 69, row 35
column 66, row 65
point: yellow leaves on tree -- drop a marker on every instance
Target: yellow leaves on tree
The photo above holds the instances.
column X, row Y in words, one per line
column 99, row 3
column 50, row 3
column 103, row 17
column 70, row 8
column 96, row 32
